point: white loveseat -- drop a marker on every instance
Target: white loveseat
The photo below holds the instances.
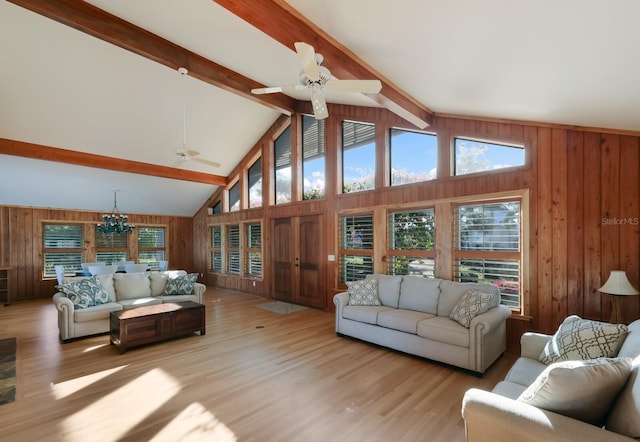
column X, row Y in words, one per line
column 414, row 317
column 124, row 290
column 498, row 416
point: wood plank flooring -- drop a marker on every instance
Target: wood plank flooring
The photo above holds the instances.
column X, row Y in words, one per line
column 255, row 376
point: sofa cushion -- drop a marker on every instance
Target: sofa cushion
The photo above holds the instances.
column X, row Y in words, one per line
column 96, row 312
column 388, row 289
column 452, row 291
column 582, row 390
column 85, row 292
column 363, row 313
column 582, row 339
column 402, row 320
column 470, row 305
column 444, row 330
column 106, row 280
column 525, row 371
column 363, row 292
column 180, row 285
column 132, row 285
column 419, row 294
column 159, row 280
column 139, row 302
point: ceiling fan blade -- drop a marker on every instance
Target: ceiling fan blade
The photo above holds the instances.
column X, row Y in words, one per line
column 207, row 162
column 266, row 90
column 318, row 103
column 307, row 56
column 191, row 153
column 362, row 86
column 178, row 163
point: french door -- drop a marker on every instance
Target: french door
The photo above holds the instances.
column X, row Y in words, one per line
column 298, row 264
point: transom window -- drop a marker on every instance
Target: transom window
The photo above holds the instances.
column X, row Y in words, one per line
column 358, row 156
column 282, row 162
column 255, row 184
column 313, row 162
column 234, row 197
column 472, row 156
column 413, row 156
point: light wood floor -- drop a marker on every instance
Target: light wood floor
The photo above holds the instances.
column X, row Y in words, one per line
column 254, row 376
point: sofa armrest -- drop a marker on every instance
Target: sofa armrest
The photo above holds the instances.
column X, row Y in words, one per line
column 63, row 304
column 490, row 319
column 532, row 344
column 489, row 417
column 340, row 300
column 198, row 290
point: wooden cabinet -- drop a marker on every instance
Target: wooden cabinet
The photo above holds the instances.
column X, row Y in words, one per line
column 298, row 260
column 5, row 285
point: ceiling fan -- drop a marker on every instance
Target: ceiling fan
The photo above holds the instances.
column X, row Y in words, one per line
column 317, row 79
column 184, row 153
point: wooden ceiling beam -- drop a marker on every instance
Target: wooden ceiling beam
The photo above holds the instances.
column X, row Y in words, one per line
column 40, row 152
column 108, row 27
column 284, row 24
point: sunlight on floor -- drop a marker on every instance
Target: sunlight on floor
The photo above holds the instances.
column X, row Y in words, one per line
column 67, row 388
column 196, row 423
column 93, row 348
column 137, row 400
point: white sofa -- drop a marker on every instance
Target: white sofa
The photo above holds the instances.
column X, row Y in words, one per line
column 414, row 317
column 498, row 416
column 125, row 290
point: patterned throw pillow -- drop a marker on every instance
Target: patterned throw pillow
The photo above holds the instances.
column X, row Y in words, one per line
column 470, row 305
column 181, row 285
column 363, row 292
column 583, row 339
column 85, row 292
column 568, row 388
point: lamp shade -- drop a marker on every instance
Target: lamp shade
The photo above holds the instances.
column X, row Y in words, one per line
column 618, row 284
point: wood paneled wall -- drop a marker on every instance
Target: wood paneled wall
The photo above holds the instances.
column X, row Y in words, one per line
column 21, row 247
column 583, row 217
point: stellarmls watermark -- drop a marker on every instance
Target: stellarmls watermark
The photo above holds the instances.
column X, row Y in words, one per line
column 620, row 221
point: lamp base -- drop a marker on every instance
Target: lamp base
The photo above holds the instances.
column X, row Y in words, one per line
column 616, row 309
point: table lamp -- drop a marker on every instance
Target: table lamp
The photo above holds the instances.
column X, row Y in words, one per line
column 617, row 286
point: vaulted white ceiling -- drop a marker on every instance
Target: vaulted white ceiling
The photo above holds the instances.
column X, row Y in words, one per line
column 571, row 62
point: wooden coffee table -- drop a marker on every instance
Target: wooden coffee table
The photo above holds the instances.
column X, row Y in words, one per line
column 153, row 323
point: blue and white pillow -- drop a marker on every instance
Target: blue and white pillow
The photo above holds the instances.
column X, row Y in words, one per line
column 86, row 292
column 181, row 285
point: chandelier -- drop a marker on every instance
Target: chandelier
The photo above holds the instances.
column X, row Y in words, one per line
column 115, row 222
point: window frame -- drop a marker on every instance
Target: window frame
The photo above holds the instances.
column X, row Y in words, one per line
column 392, row 253
column 342, row 154
column 391, row 169
column 500, row 141
column 344, row 253
column 153, row 265
column 61, row 250
column 252, row 249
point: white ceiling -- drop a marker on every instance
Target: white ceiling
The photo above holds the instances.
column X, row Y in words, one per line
column 571, row 62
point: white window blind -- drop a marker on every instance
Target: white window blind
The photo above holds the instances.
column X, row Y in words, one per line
column 62, row 246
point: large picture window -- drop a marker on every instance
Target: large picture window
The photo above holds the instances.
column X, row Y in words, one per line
column 488, row 247
column 413, row 156
column 356, row 247
column 63, row 245
column 358, row 156
column 411, row 243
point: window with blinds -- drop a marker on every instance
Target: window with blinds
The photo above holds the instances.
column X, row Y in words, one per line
column 488, row 247
column 411, row 242
column 63, row 245
column 313, row 161
column 254, row 181
column 217, row 262
column 111, row 247
column 282, row 163
column 233, row 249
column 253, row 252
column 356, row 247
column 358, row 156
column 151, row 246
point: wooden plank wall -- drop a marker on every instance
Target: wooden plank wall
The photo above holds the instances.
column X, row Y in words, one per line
column 584, row 213
column 21, row 248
